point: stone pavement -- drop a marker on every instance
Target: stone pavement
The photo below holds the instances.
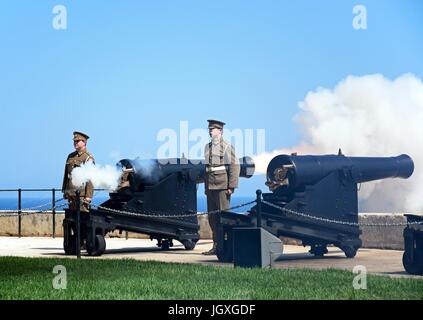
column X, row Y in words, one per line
column 376, row 261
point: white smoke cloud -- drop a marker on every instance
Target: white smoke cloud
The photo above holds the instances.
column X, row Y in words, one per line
column 367, row 116
column 102, row 177
column 262, row 160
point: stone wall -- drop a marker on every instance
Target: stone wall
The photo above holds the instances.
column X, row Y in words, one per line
column 41, row 225
column 383, row 237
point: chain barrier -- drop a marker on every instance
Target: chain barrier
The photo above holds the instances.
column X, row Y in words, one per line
column 160, row 215
column 42, row 205
column 355, row 224
column 33, row 210
column 30, row 210
column 149, row 214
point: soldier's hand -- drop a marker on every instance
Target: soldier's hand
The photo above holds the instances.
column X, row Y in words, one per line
column 230, row 191
column 88, row 200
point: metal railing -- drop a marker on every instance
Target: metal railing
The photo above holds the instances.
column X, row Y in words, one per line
column 53, row 205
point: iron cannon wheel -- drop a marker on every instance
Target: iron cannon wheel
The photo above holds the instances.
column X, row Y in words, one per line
column 318, row 250
column 99, row 246
column 188, row 244
column 166, row 244
column 349, row 251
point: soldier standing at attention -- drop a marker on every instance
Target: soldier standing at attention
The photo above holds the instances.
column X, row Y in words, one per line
column 222, row 175
column 76, row 159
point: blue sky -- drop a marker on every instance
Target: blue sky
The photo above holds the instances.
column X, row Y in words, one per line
column 124, row 70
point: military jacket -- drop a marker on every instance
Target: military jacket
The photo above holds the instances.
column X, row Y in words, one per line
column 222, row 166
column 74, row 160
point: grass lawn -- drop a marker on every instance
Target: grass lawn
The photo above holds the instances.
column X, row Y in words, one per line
column 32, row 278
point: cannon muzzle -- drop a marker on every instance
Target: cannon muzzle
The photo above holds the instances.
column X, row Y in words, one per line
column 247, row 167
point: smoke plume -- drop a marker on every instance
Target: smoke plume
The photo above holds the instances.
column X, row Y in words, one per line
column 146, row 169
column 108, row 177
column 367, row 116
column 102, row 177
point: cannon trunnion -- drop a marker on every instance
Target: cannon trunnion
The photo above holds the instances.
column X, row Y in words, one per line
column 314, row 199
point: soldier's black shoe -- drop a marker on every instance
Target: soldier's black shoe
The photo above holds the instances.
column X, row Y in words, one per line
column 211, row 252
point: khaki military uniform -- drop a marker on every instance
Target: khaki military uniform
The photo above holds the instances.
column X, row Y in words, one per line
column 222, row 173
column 124, row 181
column 76, row 159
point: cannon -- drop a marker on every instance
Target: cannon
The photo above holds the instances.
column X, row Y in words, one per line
column 313, row 199
column 155, row 197
column 144, row 173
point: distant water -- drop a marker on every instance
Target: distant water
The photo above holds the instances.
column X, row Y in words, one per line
column 30, row 202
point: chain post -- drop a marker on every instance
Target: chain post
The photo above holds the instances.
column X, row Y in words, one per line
column 19, row 212
column 53, row 200
column 258, row 193
column 78, row 225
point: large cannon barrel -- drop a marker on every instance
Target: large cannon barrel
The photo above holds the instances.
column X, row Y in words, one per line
column 149, row 172
column 296, row 171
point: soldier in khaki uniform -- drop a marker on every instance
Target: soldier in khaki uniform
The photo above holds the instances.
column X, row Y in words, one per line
column 75, row 159
column 222, row 175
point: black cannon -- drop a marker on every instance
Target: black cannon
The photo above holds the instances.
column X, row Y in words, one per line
column 155, row 197
column 314, row 199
